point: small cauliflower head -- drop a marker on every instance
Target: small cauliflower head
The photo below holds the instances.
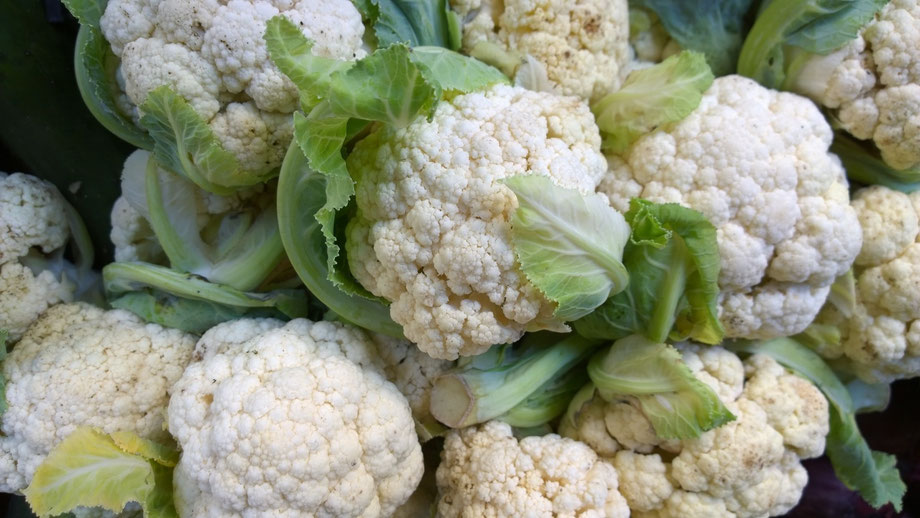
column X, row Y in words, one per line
column 749, row 467
column 79, row 365
column 755, row 162
column 880, row 333
column 132, row 236
column 213, row 55
column 291, row 420
column 32, row 219
column 486, row 472
column 582, row 44
column 432, row 229
column 872, row 84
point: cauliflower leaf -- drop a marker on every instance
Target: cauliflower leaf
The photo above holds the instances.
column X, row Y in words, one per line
column 864, row 165
column 570, row 245
column 92, row 469
column 415, row 23
column 652, row 97
column 678, row 405
column 673, row 262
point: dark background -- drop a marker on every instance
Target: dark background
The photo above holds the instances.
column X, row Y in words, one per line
column 46, row 130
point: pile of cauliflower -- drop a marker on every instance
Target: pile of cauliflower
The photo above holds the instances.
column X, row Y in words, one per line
column 319, row 417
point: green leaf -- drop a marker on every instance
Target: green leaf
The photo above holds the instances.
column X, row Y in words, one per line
column 185, row 144
column 871, row 473
column 569, row 245
column 864, row 165
column 815, row 26
column 547, row 402
column 714, row 27
column 415, row 23
column 88, row 12
column 678, row 405
column 652, row 97
column 302, row 192
column 89, row 469
column 453, row 71
column 134, row 444
column 673, row 262
column 184, row 301
column 291, row 52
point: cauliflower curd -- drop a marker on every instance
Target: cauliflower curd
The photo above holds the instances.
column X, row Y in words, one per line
column 432, row 230
column 213, row 55
column 755, row 162
column 290, row 420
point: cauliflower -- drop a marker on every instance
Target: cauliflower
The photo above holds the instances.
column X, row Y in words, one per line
column 290, row 420
column 872, row 84
column 79, row 365
column 880, row 324
column 746, row 468
column 485, row 471
column 755, row 162
column 582, row 44
column 213, row 55
column 432, row 229
column 132, row 236
column 33, row 216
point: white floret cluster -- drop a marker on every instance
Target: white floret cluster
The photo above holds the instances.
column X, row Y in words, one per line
column 213, row 55
column 749, row 467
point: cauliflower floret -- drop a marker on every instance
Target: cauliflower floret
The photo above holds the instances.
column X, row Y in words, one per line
column 749, row 467
column 487, row 472
column 880, row 339
column 213, row 55
column 132, row 236
column 79, row 365
column 31, row 215
column 24, row 296
column 755, row 162
column 582, row 44
column 291, row 420
column 432, row 229
column 873, row 83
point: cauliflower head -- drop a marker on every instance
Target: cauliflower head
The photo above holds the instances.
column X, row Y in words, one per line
column 79, row 365
column 132, row 236
column 33, row 219
column 212, row 54
column 582, row 44
column 485, row 471
column 749, row 467
column 880, row 333
column 432, row 229
column 872, row 85
column 290, row 420
column 755, row 162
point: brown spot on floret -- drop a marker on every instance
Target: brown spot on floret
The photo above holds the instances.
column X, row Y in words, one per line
column 593, row 24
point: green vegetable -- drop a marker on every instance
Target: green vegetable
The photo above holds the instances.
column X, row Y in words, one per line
column 302, row 192
column 569, row 245
column 413, row 22
column 504, row 377
column 547, row 402
column 714, row 27
column 673, row 262
column 678, row 405
column 873, row 474
column 798, row 28
column 93, row 469
column 244, row 249
column 173, row 299
column 650, row 98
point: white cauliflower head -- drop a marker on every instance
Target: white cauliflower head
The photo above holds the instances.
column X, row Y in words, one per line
column 132, row 236
column 485, row 471
column 291, row 420
column 583, row 44
column 880, row 334
column 749, row 467
column 432, row 229
column 213, row 55
column 79, row 365
column 755, row 162
column 33, row 220
column 872, row 84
